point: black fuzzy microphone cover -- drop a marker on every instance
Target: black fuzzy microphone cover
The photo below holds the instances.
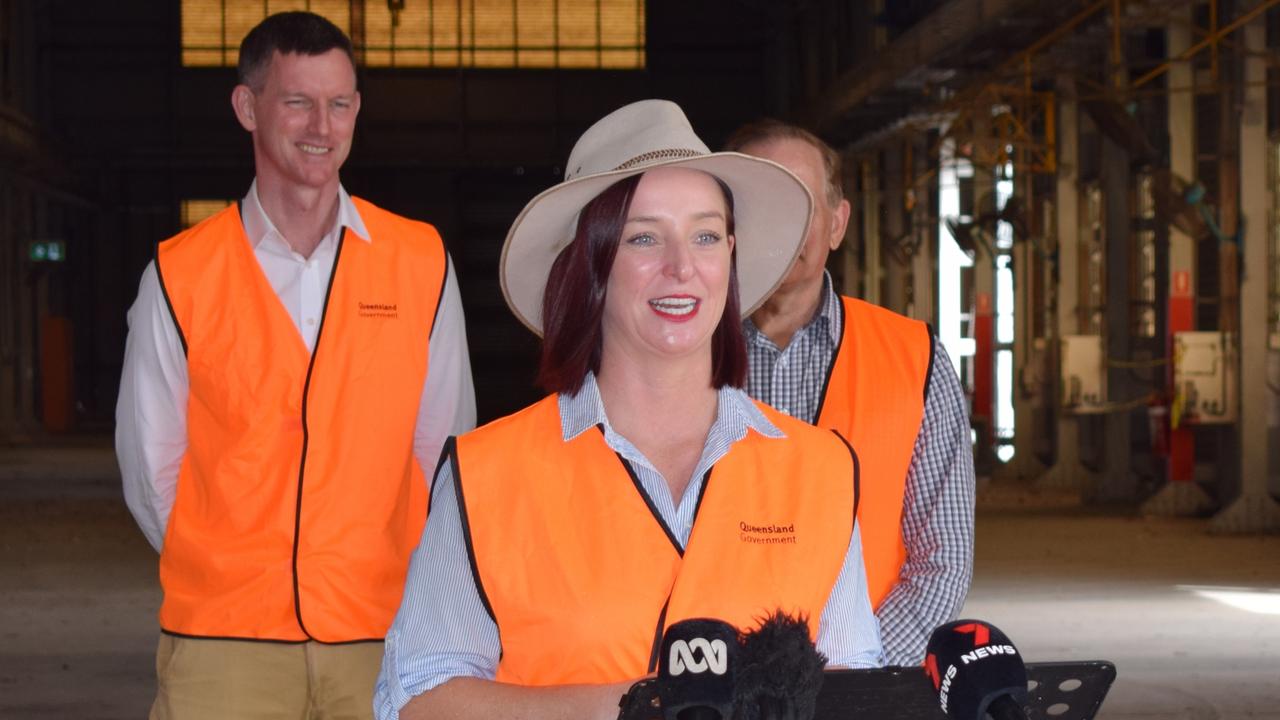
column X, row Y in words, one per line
column 780, row 672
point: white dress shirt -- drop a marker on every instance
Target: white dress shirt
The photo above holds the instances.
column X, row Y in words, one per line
column 151, row 412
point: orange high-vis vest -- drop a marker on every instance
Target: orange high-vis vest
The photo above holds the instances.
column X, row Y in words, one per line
column 299, row 499
column 582, row 577
column 874, row 396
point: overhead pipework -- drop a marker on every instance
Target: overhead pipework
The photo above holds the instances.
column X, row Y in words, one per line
column 1154, row 113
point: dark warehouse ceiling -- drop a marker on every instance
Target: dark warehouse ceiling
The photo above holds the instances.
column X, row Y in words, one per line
column 966, row 43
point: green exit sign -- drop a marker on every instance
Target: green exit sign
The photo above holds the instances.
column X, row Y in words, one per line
column 47, row 251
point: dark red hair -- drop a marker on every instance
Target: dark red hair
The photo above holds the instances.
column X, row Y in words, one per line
column 573, row 300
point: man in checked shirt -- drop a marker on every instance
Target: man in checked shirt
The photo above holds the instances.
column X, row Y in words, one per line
column 884, row 382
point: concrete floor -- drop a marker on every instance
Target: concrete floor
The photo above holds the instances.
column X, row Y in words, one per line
column 1160, row 598
column 78, row 597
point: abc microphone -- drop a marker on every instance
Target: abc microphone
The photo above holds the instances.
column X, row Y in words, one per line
column 697, row 670
column 976, row 671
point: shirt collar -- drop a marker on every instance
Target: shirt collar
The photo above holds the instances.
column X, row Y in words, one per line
column 829, row 308
column 257, row 226
column 585, row 410
column 828, row 315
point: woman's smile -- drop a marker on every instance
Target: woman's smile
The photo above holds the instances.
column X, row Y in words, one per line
column 676, row 308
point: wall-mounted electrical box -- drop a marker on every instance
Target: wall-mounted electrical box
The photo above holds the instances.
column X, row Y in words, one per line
column 1084, row 377
column 1204, row 387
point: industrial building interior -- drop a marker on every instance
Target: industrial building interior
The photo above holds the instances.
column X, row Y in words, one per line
column 1082, row 197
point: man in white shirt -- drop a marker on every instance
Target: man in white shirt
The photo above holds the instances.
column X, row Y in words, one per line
column 293, row 367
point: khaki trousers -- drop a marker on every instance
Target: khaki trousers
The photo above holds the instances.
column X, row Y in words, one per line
column 202, row 679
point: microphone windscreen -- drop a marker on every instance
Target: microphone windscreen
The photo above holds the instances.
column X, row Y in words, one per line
column 971, row 663
column 697, row 669
column 781, row 671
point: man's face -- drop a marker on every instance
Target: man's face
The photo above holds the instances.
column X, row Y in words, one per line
column 302, row 118
column 826, row 227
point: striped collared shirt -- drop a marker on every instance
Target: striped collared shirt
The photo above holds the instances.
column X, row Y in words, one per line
column 442, row 630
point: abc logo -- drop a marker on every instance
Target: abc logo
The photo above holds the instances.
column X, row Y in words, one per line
column 699, row 655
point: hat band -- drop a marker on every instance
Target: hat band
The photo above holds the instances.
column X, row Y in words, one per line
column 656, row 155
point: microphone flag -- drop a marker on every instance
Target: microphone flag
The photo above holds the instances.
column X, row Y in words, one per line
column 697, row 670
column 975, row 669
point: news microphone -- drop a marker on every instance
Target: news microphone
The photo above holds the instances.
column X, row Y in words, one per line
column 780, row 673
column 976, row 671
column 697, row 670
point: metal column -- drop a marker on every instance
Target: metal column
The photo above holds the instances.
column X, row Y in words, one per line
column 1025, row 464
column 1067, row 471
column 1180, row 496
column 1253, row 510
column 983, row 309
column 872, row 270
column 847, row 254
column 892, row 172
column 1117, row 482
column 926, row 199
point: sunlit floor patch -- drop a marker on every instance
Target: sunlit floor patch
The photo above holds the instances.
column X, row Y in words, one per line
column 1263, row 601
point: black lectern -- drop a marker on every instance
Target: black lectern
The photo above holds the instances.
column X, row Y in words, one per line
column 1056, row 691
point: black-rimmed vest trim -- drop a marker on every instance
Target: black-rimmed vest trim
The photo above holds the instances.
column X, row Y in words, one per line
column 449, row 448
column 451, row 452
column 648, row 501
column 933, row 349
column 656, row 650
column 233, row 638
column 306, row 435
column 857, row 472
column 831, row 366
column 164, row 292
column 448, row 264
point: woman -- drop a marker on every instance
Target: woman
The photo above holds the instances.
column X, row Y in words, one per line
column 562, row 539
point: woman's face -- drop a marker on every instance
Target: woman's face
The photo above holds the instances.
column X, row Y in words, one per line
column 670, row 277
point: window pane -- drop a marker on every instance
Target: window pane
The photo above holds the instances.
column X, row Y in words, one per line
column 194, row 211
column 621, row 33
column 412, row 37
column 337, row 12
column 442, row 33
column 494, row 33
column 399, row 41
column 241, row 17
column 202, row 43
column 445, row 24
column 578, row 59
column 277, row 6
column 578, row 24
column 535, row 33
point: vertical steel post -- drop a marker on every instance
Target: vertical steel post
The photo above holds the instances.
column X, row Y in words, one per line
column 1180, row 496
column 872, row 271
column 984, row 286
column 926, row 195
column 1253, row 510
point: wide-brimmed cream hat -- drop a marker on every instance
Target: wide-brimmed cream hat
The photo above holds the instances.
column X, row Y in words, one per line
column 771, row 206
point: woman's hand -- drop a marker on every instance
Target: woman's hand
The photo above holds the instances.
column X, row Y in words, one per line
column 464, row 698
